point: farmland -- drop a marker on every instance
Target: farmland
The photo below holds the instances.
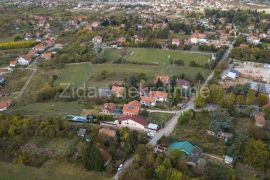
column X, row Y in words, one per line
column 78, row 74
column 155, row 56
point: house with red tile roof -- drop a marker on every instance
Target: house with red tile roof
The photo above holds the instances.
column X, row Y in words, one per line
column 118, row 91
column 159, row 96
column 164, row 79
column 147, row 101
column 26, row 59
column 132, row 122
column 97, row 39
column 198, row 38
column 13, row 64
column 132, row 108
column 4, row 105
column 108, row 108
column 47, row 56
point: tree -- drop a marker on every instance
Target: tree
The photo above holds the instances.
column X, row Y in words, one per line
column 256, row 153
column 199, row 102
column 185, row 117
column 92, row 159
column 161, row 172
column 240, row 100
column 199, row 77
column 250, row 99
column 175, row 175
column 159, row 84
column 229, row 101
column 238, row 144
column 221, row 120
column 262, row 99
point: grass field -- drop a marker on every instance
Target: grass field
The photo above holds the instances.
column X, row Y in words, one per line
column 78, row 74
column 59, row 109
column 155, row 56
column 158, row 118
column 52, row 170
column 16, row 80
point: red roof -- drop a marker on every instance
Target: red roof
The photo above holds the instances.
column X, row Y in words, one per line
column 136, row 119
column 131, row 110
column 158, row 94
column 147, row 99
column 5, row 104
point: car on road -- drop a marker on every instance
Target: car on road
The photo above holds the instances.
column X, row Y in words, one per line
column 150, row 135
column 120, row 167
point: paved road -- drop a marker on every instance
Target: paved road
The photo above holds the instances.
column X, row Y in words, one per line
column 160, row 111
column 168, row 129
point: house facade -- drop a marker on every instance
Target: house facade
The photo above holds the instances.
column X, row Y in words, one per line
column 132, row 122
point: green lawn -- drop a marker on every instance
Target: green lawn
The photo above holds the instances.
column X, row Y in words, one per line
column 78, row 74
column 155, row 56
column 59, row 109
column 52, row 170
column 158, row 118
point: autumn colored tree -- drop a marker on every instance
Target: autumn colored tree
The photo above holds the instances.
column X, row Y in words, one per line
column 256, row 153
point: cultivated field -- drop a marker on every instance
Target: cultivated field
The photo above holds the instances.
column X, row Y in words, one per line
column 156, row 56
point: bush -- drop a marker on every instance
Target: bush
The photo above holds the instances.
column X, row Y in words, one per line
column 186, row 116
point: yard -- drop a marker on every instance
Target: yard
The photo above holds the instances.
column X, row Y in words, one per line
column 195, row 132
column 158, row 118
column 78, row 74
column 156, row 56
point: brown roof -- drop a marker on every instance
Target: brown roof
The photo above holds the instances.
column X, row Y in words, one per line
column 136, row 119
column 158, row 94
column 5, row 104
column 147, row 99
column 14, row 62
column 163, row 79
column 134, row 103
column 47, row 55
column 107, row 132
column 109, row 106
column 118, row 90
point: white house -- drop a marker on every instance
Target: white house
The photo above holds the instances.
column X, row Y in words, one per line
column 176, row 42
column 198, row 38
column 132, row 122
column 23, row 61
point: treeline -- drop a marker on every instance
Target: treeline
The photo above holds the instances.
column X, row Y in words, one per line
column 17, row 44
column 251, row 54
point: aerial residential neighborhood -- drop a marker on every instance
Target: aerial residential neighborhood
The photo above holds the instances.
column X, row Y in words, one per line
column 127, row 90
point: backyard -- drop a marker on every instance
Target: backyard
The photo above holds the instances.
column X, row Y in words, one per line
column 158, row 118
